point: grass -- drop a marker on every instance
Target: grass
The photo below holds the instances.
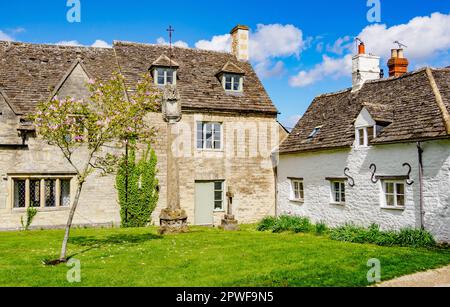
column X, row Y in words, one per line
column 203, row 257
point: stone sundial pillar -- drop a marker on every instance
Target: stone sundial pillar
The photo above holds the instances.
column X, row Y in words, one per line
column 173, row 219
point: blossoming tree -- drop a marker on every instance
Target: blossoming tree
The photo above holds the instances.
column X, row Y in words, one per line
column 90, row 132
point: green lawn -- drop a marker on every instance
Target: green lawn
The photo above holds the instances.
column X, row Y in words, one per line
column 203, row 257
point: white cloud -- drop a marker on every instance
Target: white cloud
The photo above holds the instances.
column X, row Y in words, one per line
column 217, row 43
column 267, row 44
column 101, row 44
column 427, row 38
column 162, row 41
column 341, row 45
column 72, row 43
column 276, row 40
column 329, row 67
column 5, row 37
column 267, row 69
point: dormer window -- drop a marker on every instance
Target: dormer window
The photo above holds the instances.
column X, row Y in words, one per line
column 232, row 78
column 164, row 71
column 232, row 83
column 164, row 76
column 364, row 136
column 315, row 131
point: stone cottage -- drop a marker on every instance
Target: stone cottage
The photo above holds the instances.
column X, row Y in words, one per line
column 223, row 145
column 378, row 152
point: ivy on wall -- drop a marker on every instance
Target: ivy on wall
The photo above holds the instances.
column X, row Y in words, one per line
column 137, row 187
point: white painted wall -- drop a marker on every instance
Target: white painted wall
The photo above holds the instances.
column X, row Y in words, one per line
column 363, row 205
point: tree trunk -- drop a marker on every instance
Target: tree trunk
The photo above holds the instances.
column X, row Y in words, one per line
column 62, row 258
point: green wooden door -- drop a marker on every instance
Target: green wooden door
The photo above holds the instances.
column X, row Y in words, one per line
column 204, row 203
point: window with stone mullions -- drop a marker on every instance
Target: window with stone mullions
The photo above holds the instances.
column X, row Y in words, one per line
column 50, row 193
column 19, row 193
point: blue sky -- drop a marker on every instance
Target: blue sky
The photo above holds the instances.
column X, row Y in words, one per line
column 308, row 58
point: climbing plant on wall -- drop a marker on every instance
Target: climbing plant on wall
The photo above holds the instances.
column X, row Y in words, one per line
column 137, row 186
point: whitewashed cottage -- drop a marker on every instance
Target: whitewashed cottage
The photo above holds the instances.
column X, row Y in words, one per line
column 378, row 152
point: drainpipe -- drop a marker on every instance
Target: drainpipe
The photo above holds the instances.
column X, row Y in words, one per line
column 422, row 211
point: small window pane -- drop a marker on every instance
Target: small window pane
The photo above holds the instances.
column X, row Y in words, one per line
column 389, row 188
column 65, row 193
column 35, row 193
column 218, row 205
column 400, row 188
column 236, row 83
column 370, row 132
column 169, row 77
column 50, row 193
column 361, row 137
column 161, row 77
column 218, row 186
column 390, row 200
column 401, row 200
column 228, row 83
column 19, row 193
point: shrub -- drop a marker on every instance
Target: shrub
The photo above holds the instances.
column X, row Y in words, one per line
column 285, row 223
column 373, row 234
column 303, row 225
column 321, row 228
column 267, row 224
column 415, row 238
column 137, row 186
column 31, row 213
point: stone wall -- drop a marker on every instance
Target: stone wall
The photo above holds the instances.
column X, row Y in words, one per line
column 248, row 171
column 363, row 201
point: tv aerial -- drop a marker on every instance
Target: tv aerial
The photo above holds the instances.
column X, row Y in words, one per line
column 400, row 45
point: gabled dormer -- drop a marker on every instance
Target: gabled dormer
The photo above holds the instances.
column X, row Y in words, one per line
column 371, row 122
column 164, row 71
column 232, row 78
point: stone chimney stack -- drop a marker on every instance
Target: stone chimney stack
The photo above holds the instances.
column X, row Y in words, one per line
column 398, row 64
column 240, row 42
column 365, row 67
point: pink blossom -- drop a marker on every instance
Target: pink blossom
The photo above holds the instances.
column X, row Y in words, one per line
column 78, row 138
column 91, row 81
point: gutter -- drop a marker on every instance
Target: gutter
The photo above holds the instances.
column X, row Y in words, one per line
column 421, row 200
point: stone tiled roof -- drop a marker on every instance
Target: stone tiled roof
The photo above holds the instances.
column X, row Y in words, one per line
column 29, row 73
column 408, row 103
column 197, row 83
column 165, row 61
column 232, row 68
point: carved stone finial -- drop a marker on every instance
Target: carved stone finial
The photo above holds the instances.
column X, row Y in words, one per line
column 171, row 93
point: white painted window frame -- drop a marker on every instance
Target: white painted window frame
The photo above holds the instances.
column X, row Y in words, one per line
column 366, row 135
column 42, row 179
column 333, row 192
column 204, row 132
column 222, row 209
column 233, row 80
column 165, row 71
column 384, row 194
column 301, row 183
